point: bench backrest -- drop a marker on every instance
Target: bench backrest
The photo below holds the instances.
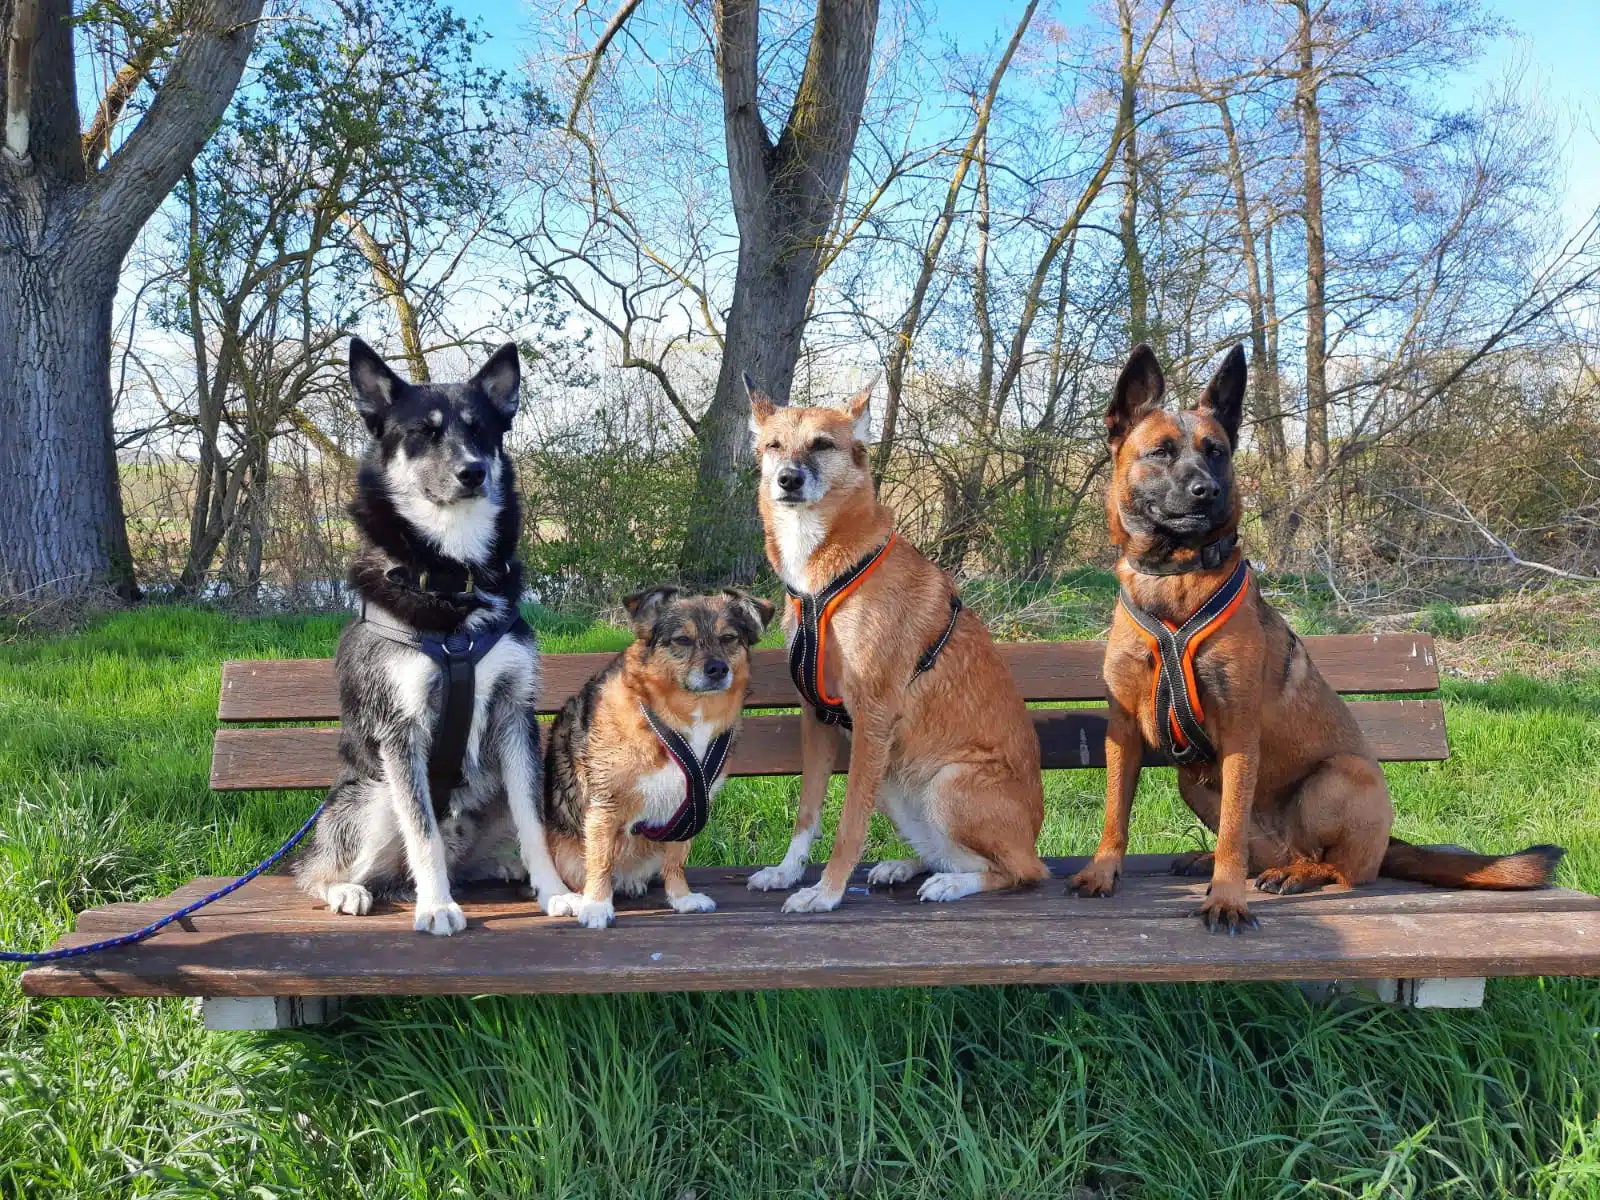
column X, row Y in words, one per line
column 266, row 742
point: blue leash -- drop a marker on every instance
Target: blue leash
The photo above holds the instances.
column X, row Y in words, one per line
column 139, row 935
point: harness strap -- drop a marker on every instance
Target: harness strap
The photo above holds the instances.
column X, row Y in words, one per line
column 812, row 612
column 698, row 777
column 458, row 655
column 1180, row 721
column 931, row 654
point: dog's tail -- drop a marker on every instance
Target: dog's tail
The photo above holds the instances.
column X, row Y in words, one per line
column 1450, row 867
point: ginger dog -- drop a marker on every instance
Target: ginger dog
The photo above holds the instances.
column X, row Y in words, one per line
column 637, row 756
column 1270, row 758
column 880, row 643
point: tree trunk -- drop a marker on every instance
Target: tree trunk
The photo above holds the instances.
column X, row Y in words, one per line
column 784, row 193
column 63, row 235
column 1306, row 101
column 63, row 531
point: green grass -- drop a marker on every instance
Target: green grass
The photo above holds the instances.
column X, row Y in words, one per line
column 1113, row 1091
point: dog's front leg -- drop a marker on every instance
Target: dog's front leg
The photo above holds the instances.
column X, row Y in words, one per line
column 520, row 769
column 1224, row 906
column 819, row 750
column 594, row 909
column 1124, row 753
column 869, row 760
column 677, row 884
column 405, row 770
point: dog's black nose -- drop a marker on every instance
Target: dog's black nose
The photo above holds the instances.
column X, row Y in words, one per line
column 716, row 669
column 1204, row 489
column 791, row 479
column 472, row 475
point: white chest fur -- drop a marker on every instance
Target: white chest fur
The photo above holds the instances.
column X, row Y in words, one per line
column 798, row 530
column 663, row 790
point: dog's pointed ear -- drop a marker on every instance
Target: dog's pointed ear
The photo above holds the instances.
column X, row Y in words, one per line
column 501, row 380
column 761, row 404
column 859, row 407
column 644, row 607
column 754, row 612
column 1139, row 390
column 1223, row 399
column 373, row 385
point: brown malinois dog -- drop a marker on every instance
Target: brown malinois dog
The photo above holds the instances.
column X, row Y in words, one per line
column 1198, row 664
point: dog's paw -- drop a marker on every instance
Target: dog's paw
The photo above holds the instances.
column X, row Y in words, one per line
column 595, row 914
column 694, row 902
column 811, row 900
column 949, row 885
column 350, row 898
column 775, row 879
column 1099, row 878
column 1229, row 913
column 560, row 904
column 893, row 871
column 1195, row 862
column 631, row 885
column 440, row 919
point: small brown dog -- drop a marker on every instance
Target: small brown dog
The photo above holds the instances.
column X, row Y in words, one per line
column 879, row 642
column 1269, row 756
column 636, row 757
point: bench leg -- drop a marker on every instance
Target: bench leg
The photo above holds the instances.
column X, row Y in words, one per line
column 266, row 1012
column 1407, row 993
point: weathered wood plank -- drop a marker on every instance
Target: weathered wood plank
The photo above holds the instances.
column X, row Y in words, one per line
column 1147, row 890
column 307, row 756
column 708, row 954
column 303, row 689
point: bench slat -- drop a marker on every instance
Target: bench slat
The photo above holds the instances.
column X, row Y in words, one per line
column 307, row 757
column 304, row 689
column 1149, row 890
column 668, row 952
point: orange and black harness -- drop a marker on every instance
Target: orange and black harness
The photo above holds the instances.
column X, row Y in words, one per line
column 1177, row 697
column 812, row 612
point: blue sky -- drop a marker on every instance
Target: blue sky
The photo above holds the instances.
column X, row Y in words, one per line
column 1558, row 39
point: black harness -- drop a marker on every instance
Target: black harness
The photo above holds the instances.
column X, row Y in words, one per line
column 1179, row 720
column 699, row 774
column 812, row 612
column 458, row 655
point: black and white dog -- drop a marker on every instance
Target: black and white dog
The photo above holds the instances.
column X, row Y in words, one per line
column 437, row 510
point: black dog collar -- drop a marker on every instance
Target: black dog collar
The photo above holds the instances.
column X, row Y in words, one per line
column 699, row 775
column 450, row 580
column 1211, row 556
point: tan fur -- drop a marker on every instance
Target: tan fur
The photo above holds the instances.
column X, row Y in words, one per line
column 1296, row 796
column 952, row 758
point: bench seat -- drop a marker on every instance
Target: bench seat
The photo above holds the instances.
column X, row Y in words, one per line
column 269, row 940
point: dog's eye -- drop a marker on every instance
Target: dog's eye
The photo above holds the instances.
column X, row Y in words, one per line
column 729, row 639
column 1159, row 453
column 1214, row 452
column 818, row 445
column 772, row 447
column 682, row 641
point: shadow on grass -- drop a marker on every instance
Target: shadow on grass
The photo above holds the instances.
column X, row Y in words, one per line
column 1579, row 696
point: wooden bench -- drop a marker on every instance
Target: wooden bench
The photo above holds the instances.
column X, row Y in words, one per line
column 264, row 955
